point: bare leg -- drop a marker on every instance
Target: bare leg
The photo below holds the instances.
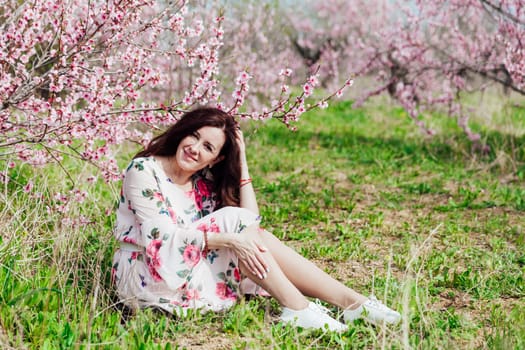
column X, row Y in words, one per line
column 278, row 285
column 308, row 278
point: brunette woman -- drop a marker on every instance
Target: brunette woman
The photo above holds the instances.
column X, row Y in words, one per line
column 188, row 227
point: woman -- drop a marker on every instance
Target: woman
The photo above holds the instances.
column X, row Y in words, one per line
column 189, row 233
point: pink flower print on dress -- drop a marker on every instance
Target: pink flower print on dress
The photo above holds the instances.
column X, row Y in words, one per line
column 153, row 260
column 203, row 227
column 236, row 274
column 191, row 255
column 173, row 215
column 213, row 226
column 198, row 201
column 203, row 188
column 224, row 292
column 128, row 239
column 114, row 274
column 158, row 196
column 192, row 294
column 176, row 303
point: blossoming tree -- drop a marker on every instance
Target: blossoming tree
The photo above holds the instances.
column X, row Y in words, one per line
column 425, row 54
column 77, row 77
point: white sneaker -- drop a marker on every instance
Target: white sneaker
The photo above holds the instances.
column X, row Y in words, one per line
column 312, row 316
column 374, row 312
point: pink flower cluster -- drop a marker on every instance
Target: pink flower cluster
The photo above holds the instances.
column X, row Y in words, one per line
column 76, row 77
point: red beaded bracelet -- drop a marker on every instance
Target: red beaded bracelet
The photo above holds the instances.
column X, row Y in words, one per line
column 246, row 181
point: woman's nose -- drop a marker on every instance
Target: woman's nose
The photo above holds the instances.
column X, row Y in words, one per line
column 193, row 148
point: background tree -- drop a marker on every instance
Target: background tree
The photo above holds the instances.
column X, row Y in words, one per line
column 425, row 54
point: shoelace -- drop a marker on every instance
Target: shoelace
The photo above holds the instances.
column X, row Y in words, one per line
column 317, row 304
column 376, row 303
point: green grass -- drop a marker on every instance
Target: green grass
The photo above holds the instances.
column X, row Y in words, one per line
column 427, row 225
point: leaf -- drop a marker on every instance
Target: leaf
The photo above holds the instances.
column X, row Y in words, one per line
column 139, row 165
column 67, row 336
column 183, row 273
column 148, row 193
column 155, row 233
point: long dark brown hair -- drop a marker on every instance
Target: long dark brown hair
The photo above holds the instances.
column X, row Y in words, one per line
column 227, row 172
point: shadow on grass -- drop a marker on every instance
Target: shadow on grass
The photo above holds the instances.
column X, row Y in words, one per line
column 351, row 143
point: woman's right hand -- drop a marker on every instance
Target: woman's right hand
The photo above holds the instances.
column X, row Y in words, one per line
column 242, row 148
column 249, row 249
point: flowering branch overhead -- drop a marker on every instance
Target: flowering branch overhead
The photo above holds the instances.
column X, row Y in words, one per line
column 76, row 76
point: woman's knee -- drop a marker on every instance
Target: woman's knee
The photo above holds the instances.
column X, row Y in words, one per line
column 237, row 211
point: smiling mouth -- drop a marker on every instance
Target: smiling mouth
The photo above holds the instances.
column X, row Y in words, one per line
column 189, row 155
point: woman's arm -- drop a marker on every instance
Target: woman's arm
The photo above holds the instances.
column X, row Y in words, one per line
column 171, row 250
column 247, row 193
column 169, row 246
column 247, row 247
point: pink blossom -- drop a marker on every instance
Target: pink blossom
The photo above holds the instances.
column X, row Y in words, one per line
column 307, row 89
column 243, row 78
column 313, row 80
column 28, row 187
column 286, row 72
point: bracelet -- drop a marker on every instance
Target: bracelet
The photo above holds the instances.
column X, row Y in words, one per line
column 246, row 181
column 205, row 245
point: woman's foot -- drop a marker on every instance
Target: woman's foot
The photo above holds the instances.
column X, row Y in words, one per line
column 373, row 311
column 312, row 316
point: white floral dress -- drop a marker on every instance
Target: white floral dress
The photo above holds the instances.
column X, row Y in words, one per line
column 160, row 261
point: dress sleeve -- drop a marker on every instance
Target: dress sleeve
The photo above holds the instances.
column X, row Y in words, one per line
column 172, row 250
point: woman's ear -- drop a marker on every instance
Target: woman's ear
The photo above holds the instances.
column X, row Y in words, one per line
column 216, row 160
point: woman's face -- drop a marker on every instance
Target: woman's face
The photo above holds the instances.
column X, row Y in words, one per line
column 200, row 149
